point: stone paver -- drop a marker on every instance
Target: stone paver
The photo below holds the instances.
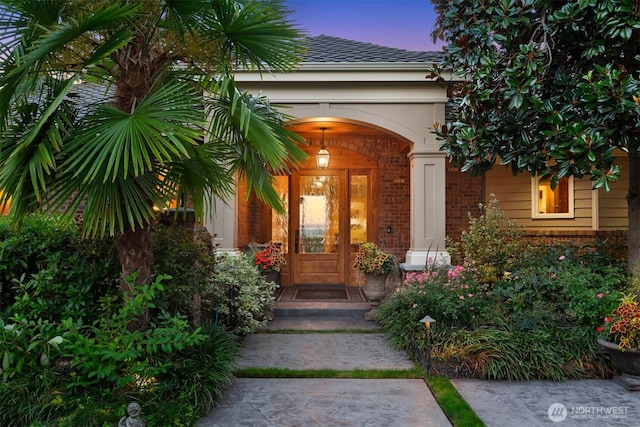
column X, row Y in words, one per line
column 586, row 403
column 322, row 351
column 311, row 402
column 326, row 403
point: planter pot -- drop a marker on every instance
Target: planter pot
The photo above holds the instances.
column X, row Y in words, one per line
column 375, row 290
column 627, row 361
column 271, row 276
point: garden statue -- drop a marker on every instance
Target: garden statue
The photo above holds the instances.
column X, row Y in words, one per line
column 134, row 419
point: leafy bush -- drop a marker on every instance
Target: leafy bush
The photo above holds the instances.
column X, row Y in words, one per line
column 491, row 244
column 238, row 296
column 48, row 270
column 115, row 364
column 189, row 260
column 68, row 356
column 503, row 313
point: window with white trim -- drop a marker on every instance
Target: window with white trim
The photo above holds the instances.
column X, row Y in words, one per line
column 552, row 203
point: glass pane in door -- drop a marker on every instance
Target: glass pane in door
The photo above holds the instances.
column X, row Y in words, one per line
column 280, row 221
column 358, row 209
column 319, row 214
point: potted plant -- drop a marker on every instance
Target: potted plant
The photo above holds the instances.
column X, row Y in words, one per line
column 620, row 336
column 376, row 265
column 370, row 259
column 269, row 260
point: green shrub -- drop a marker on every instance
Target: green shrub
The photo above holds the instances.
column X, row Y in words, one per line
column 49, row 271
column 68, row 356
column 189, row 260
column 491, row 244
column 167, row 365
column 537, row 320
column 238, row 296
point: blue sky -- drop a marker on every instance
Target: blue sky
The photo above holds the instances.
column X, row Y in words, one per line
column 405, row 24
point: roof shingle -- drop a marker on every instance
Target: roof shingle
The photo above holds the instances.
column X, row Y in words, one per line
column 335, row 49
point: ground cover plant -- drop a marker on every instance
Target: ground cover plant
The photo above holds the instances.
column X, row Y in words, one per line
column 533, row 313
column 69, row 355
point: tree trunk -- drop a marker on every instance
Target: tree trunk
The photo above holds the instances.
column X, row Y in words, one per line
column 633, row 203
column 135, row 251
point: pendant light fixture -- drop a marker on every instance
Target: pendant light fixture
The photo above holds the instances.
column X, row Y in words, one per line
column 322, row 158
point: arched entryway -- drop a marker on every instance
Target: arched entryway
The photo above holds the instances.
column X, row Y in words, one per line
column 383, row 108
column 331, row 211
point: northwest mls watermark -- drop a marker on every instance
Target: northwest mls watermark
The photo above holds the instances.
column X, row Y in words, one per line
column 558, row 412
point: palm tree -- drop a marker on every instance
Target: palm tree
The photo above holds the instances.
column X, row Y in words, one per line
column 167, row 123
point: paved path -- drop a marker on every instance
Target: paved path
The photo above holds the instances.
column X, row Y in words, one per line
column 388, row 403
column 288, row 402
column 580, row 403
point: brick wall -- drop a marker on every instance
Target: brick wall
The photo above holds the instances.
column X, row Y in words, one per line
column 464, row 193
column 393, row 195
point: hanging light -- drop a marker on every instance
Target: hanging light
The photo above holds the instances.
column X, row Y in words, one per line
column 322, row 158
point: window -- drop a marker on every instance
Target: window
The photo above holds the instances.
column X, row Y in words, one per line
column 552, row 203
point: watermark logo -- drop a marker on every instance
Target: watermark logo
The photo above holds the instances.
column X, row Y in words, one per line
column 557, row 412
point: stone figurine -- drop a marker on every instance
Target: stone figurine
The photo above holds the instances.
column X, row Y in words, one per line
column 134, row 419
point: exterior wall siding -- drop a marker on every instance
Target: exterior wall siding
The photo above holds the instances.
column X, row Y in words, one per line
column 613, row 203
column 515, row 200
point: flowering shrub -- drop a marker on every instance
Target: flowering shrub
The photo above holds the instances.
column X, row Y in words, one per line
column 491, row 244
column 625, row 324
column 509, row 328
column 371, row 259
column 270, row 258
column 448, row 293
column 623, row 327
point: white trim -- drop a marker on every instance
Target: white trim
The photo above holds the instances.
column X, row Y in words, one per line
column 535, row 214
column 595, row 210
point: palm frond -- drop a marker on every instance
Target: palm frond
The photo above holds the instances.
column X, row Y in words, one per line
column 113, row 144
column 255, row 36
column 258, row 141
column 22, row 66
column 30, row 147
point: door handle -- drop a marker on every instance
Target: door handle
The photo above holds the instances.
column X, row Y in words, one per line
column 297, row 241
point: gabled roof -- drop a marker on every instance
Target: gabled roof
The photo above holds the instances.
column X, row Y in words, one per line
column 338, row 50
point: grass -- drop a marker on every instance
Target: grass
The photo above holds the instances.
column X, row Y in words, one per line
column 321, row 331
column 453, row 405
column 330, row 373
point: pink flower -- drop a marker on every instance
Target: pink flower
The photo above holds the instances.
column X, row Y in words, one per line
column 415, row 305
column 470, row 295
column 607, row 319
column 600, row 295
column 461, row 297
column 561, row 257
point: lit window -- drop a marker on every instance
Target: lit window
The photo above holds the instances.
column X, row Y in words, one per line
column 552, row 203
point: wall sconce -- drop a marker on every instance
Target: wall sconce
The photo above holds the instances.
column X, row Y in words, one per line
column 322, row 158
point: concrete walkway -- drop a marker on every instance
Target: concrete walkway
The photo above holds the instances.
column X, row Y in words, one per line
column 580, row 403
column 403, row 403
column 284, row 402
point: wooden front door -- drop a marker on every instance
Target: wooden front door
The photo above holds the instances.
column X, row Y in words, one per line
column 320, row 227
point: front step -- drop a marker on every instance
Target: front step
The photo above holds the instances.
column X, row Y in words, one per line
column 320, row 310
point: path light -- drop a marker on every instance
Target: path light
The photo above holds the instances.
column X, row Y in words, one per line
column 428, row 320
column 322, row 158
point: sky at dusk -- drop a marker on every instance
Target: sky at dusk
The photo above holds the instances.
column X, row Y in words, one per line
column 405, row 24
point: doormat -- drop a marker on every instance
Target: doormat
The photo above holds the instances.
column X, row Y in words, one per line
column 325, row 293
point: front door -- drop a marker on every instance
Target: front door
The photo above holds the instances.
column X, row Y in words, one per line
column 320, row 227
